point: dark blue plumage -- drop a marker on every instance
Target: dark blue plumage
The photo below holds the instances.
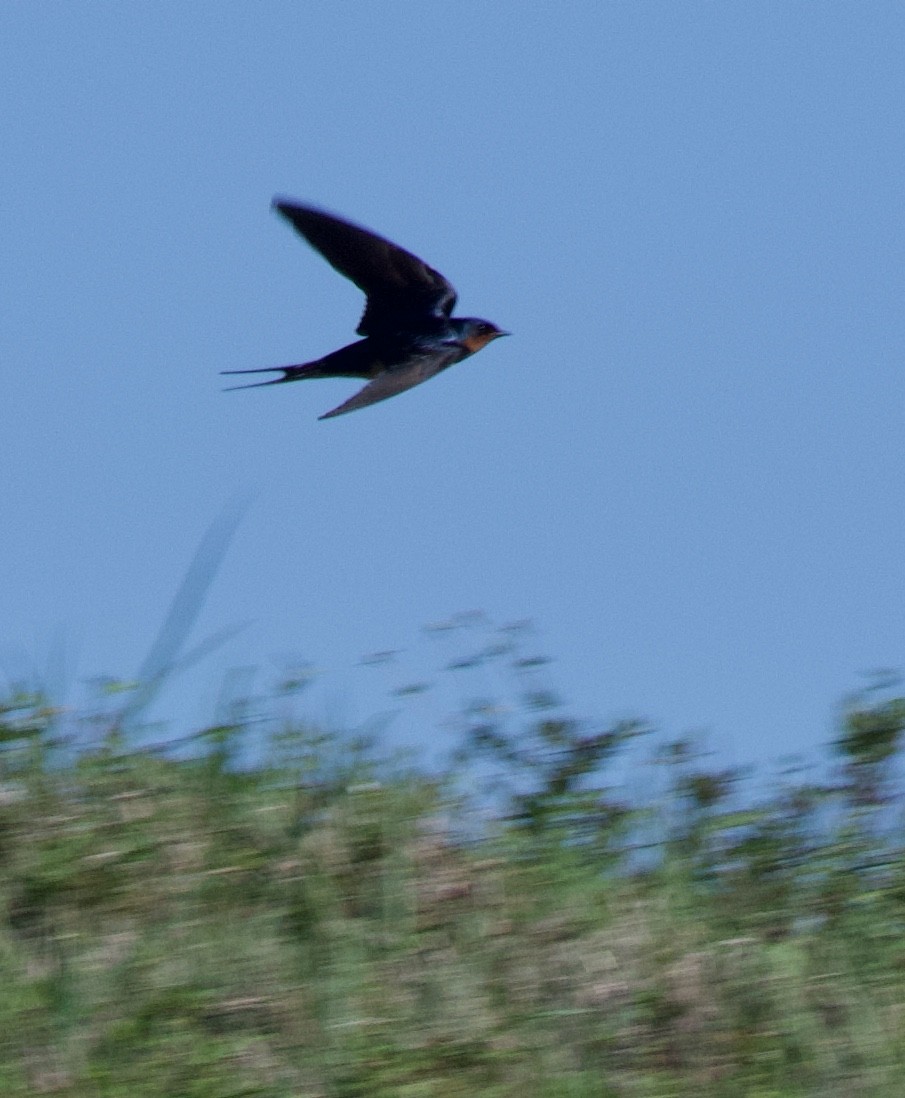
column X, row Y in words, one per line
column 409, row 332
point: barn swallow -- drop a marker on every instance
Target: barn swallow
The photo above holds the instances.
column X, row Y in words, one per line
column 409, row 332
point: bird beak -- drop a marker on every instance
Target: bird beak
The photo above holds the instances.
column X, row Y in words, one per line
column 496, row 335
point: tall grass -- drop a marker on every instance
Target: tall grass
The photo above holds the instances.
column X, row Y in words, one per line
column 325, row 922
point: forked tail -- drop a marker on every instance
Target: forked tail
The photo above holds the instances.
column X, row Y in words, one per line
column 290, row 373
column 356, row 360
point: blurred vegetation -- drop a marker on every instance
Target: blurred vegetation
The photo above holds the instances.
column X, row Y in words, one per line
column 270, row 908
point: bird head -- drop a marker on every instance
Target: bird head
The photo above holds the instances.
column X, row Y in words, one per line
column 480, row 332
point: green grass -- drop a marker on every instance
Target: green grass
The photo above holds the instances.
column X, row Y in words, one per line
column 317, row 925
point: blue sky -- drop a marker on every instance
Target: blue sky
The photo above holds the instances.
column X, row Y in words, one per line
column 685, row 467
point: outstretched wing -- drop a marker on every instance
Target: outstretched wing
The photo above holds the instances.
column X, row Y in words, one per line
column 397, row 379
column 401, row 289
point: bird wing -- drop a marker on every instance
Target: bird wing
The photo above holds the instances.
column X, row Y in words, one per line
column 400, row 288
column 396, row 379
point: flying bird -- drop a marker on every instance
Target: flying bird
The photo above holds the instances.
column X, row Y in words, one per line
column 409, row 331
